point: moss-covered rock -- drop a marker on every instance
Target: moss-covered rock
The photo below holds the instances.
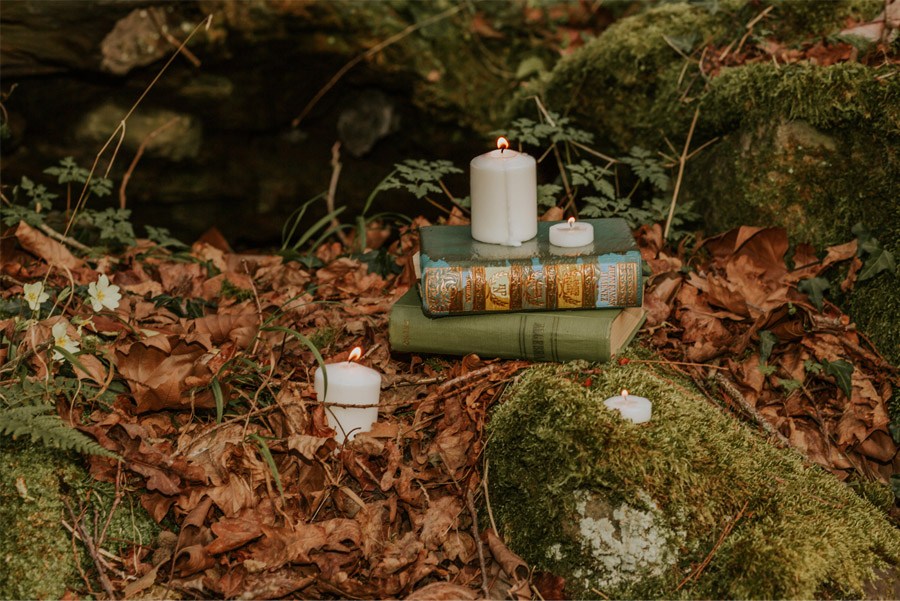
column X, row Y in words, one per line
column 814, row 149
column 632, row 510
column 37, row 560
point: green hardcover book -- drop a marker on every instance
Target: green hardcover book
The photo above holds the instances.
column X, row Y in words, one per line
column 461, row 275
column 594, row 335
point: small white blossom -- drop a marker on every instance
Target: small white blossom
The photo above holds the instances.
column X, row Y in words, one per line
column 61, row 339
column 35, row 295
column 103, row 294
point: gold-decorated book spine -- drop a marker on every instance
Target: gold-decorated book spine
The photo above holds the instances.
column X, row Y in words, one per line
column 461, row 289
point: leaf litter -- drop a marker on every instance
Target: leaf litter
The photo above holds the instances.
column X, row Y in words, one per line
column 220, row 431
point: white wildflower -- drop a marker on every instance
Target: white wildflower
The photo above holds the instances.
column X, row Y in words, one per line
column 35, row 295
column 61, row 339
column 103, row 294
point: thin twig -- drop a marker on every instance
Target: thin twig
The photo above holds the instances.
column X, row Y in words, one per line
column 259, row 311
column 487, row 498
column 681, row 162
column 332, row 191
column 694, row 575
column 470, row 503
column 741, row 400
column 62, row 238
column 92, row 550
column 120, row 129
column 137, row 157
column 368, row 54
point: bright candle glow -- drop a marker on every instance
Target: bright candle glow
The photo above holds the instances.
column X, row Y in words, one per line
column 572, row 233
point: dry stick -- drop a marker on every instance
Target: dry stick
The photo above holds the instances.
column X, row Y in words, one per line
column 368, row 54
column 61, row 238
column 120, row 129
column 725, row 532
column 92, row 550
column 487, row 498
column 137, row 157
column 750, row 409
column 478, row 544
column 259, row 311
column 332, row 189
column 164, row 32
column 681, row 162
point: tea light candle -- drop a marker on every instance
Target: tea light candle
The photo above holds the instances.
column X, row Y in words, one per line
column 349, row 383
column 571, row 234
column 504, row 196
column 636, row 409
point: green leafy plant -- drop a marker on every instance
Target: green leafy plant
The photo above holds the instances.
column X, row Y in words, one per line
column 877, row 259
column 36, row 422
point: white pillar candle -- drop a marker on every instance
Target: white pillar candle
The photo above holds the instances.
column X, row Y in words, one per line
column 504, row 196
column 633, row 408
column 571, row 233
column 349, row 383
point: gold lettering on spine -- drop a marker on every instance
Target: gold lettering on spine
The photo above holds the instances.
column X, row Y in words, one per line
column 478, row 288
column 550, row 277
column 498, row 284
column 570, row 286
column 516, row 281
column 589, row 298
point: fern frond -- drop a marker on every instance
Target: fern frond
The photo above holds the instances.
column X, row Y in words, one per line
column 49, row 429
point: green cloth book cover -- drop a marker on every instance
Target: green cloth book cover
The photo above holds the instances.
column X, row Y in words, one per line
column 593, row 335
column 461, row 275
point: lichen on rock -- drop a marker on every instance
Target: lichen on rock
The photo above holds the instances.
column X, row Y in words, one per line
column 626, row 543
column 632, row 510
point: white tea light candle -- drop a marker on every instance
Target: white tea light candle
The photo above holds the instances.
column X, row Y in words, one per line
column 636, row 409
column 504, row 196
column 572, row 233
column 349, row 383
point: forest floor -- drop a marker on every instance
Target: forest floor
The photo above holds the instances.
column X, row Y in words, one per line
column 199, row 378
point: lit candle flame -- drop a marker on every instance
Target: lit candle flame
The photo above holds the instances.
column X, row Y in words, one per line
column 502, row 143
column 624, row 394
column 355, row 354
column 571, row 221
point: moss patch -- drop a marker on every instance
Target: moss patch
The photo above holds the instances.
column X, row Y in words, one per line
column 814, row 149
column 686, row 475
column 37, row 560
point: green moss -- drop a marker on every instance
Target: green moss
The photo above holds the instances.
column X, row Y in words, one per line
column 818, row 18
column 624, row 84
column 35, row 550
column 37, row 560
column 841, row 95
column 801, row 534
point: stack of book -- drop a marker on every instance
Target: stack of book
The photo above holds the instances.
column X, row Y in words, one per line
column 536, row 301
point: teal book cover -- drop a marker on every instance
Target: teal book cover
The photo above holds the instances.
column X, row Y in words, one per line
column 461, row 275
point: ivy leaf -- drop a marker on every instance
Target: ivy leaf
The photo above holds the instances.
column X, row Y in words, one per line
column 812, row 367
column 815, row 289
column 790, row 385
column 842, row 371
column 767, row 342
column 880, row 260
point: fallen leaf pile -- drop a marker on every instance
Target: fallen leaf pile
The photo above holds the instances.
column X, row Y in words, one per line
column 220, row 431
column 866, row 43
column 732, row 315
column 266, row 504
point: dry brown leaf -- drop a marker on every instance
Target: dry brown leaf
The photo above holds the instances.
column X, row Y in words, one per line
column 442, row 591
column 46, row 248
column 157, row 369
column 232, row 533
